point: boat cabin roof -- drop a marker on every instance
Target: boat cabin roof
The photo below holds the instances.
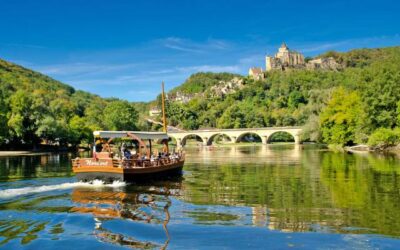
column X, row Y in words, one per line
column 123, row 134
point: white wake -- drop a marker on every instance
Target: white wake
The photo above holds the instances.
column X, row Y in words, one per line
column 9, row 193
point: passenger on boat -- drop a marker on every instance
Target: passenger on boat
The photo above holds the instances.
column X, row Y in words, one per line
column 127, row 154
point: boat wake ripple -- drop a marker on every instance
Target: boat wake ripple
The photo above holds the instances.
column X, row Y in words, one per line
column 9, row 193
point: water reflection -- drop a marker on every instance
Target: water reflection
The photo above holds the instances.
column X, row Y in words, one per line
column 148, row 204
column 296, row 190
column 284, row 188
column 276, row 154
column 35, row 166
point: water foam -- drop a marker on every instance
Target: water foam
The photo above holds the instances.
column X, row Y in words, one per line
column 9, row 193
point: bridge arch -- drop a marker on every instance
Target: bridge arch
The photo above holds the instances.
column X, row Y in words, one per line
column 214, row 136
column 283, row 136
column 255, row 135
column 188, row 136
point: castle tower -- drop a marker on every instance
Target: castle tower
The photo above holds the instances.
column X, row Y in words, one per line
column 284, row 58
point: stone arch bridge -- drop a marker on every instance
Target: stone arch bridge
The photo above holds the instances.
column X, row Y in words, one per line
column 235, row 135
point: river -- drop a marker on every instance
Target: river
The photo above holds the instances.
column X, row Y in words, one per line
column 250, row 197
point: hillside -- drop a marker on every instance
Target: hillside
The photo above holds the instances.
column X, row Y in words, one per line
column 340, row 107
column 35, row 108
column 200, row 82
column 357, row 104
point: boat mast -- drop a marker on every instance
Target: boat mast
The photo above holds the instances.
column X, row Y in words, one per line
column 165, row 149
column 163, row 110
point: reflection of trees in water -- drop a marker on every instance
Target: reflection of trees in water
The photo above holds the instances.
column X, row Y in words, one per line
column 366, row 188
column 270, row 154
column 313, row 191
column 334, row 190
column 26, row 230
column 32, row 166
column 147, row 205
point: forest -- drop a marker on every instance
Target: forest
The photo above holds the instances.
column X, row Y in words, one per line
column 37, row 110
column 358, row 104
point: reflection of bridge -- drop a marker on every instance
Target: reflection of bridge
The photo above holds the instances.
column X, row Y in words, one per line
column 235, row 135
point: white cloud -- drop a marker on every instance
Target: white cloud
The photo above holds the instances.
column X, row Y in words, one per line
column 172, row 60
column 187, row 45
column 82, row 68
column 210, row 68
column 348, row 44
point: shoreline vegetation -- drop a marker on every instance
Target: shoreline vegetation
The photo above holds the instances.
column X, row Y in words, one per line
column 353, row 106
column 359, row 148
column 334, row 148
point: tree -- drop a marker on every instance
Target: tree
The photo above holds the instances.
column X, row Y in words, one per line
column 342, row 118
column 94, row 114
column 398, row 113
column 295, row 98
column 4, row 110
column 120, row 115
column 20, row 119
column 384, row 137
column 79, row 131
column 232, row 118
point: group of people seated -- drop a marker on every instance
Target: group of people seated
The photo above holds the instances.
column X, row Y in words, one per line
column 131, row 154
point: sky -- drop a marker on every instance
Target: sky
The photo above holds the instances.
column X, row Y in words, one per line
column 126, row 48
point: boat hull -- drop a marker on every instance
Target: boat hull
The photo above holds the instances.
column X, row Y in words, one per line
column 110, row 174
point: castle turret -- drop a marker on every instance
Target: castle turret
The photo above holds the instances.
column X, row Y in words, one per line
column 284, row 58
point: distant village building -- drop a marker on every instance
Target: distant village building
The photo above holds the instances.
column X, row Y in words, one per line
column 256, row 73
column 154, row 112
column 179, row 97
column 284, row 59
column 227, row 87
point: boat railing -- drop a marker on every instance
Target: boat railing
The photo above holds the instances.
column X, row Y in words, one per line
column 153, row 162
column 140, row 162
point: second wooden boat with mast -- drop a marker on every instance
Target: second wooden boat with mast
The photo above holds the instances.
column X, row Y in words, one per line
column 133, row 159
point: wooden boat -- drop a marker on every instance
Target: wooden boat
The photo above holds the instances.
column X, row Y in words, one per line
column 118, row 163
column 108, row 165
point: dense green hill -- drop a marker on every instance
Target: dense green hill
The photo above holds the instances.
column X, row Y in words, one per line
column 36, row 108
column 341, row 107
column 200, row 82
column 353, row 105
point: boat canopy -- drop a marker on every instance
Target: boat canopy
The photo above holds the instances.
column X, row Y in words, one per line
column 123, row 134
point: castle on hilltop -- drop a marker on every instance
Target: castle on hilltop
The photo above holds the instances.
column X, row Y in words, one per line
column 288, row 59
column 285, row 58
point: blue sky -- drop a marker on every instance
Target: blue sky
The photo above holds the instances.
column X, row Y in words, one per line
column 126, row 48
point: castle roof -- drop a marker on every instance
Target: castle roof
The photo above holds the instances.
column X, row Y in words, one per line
column 256, row 70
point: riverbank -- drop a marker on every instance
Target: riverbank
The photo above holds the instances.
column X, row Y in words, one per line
column 366, row 148
column 20, row 153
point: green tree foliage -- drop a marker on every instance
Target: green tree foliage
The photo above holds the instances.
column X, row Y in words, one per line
column 35, row 108
column 120, row 115
column 384, row 137
column 299, row 97
column 199, row 82
column 342, row 118
column 398, row 113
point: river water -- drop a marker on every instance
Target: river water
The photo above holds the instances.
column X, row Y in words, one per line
column 253, row 197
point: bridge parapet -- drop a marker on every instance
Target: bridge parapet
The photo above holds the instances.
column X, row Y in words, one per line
column 235, row 134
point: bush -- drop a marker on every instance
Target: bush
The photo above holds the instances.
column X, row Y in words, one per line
column 384, row 137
